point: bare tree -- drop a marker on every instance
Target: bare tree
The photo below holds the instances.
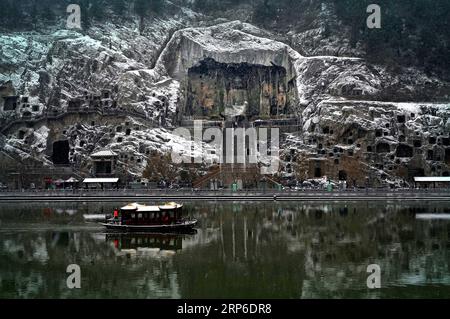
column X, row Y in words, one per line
column 159, row 167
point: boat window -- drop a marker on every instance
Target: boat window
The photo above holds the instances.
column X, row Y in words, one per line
column 139, row 215
column 133, row 216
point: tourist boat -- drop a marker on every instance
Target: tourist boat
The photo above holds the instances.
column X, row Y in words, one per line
column 143, row 218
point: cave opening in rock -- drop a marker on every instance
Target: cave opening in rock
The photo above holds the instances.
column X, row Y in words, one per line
column 383, row 148
column 342, row 175
column 317, row 172
column 404, row 150
column 10, row 103
column 415, row 171
column 103, row 167
column 215, row 89
column 60, row 155
column 446, row 141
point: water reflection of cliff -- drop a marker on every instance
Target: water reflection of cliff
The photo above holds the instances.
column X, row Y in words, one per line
column 322, row 250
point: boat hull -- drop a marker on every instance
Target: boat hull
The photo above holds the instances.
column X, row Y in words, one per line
column 178, row 227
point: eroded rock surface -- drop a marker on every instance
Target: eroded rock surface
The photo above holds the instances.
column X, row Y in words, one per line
column 113, row 88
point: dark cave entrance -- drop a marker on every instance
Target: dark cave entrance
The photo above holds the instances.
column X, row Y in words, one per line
column 10, row 103
column 60, row 155
column 213, row 89
column 404, row 150
column 415, row 171
column 317, row 172
column 103, row 167
column 342, row 175
column 383, row 148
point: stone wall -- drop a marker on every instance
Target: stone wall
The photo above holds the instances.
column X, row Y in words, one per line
column 213, row 87
column 379, row 140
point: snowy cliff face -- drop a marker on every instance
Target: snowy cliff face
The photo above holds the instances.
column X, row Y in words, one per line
column 142, row 76
column 131, row 140
column 59, row 65
column 391, row 141
column 233, row 42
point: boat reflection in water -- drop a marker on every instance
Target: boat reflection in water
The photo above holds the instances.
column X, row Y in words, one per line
column 147, row 244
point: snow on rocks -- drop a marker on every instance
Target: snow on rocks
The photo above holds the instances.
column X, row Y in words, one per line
column 145, row 72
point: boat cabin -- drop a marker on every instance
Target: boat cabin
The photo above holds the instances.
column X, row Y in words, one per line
column 136, row 214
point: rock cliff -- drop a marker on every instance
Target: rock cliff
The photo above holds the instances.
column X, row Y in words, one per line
column 120, row 88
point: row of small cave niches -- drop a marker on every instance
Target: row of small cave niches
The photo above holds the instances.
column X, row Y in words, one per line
column 414, row 140
column 387, row 163
column 402, row 149
column 21, row 104
column 434, row 139
column 105, row 98
column 433, row 148
column 124, row 130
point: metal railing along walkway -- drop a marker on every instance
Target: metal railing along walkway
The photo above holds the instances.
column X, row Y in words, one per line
column 224, row 195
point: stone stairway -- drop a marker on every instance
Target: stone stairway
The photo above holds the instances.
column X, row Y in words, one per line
column 204, row 179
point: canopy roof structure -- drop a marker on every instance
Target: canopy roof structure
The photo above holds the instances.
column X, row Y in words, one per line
column 133, row 206
column 140, row 208
column 431, row 179
column 100, row 180
column 147, row 209
column 170, row 206
column 105, row 153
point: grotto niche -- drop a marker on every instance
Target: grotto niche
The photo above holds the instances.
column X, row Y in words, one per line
column 213, row 89
column 60, row 154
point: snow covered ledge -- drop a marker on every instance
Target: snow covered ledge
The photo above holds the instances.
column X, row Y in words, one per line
column 232, row 42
